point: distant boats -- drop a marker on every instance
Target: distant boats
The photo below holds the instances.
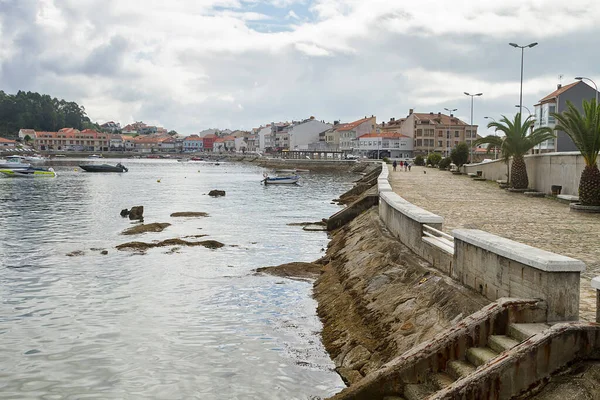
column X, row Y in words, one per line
column 291, row 171
column 196, row 159
column 35, row 159
column 104, row 168
column 29, row 173
column 183, row 159
column 95, row 156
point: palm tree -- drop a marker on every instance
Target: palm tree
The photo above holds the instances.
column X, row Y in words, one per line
column 517, row 142
column 584, row 130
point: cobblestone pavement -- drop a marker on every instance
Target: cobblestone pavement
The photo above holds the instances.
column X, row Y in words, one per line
column 539, row 222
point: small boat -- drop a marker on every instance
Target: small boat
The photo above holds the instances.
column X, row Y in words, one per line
column 298, row 170
column 14, row 162
column 196, row 159
column 285, row 171
column 95, row 156
column 281, row 180
column 183, row 159
column 29, row 173
column 104, row 168
column 35, row 159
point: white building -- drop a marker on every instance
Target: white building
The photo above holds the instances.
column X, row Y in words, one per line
column 264, row 138
column 349, row 133
column 240, row 144
column 303, row 133
column 392, row 145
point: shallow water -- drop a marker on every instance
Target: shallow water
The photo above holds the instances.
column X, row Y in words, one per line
column 171, row 323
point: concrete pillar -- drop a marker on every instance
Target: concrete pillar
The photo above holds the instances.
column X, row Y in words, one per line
column 596, row 285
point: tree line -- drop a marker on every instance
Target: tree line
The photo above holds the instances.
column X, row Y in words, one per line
column 41, row 112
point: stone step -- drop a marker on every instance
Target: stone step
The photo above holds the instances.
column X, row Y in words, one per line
column 417, row 391
column 522, row 332
column 480, row 355
column 441, row 380
column 501, row 343
column 457, row 368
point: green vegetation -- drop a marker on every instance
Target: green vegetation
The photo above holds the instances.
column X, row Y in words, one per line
column 445, row 163
column 30, row 110
column 460, row 154
column 434, row 159
column 385, row 160
column 517, row 142
column 420, row 161
column 584, row 130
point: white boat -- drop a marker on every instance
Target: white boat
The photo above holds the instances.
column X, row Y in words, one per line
column 14, row 162
column 285, row 171
column 35, row 159
column 94, row 156
column 29, row 173
column 281, row 180
column 183, row 159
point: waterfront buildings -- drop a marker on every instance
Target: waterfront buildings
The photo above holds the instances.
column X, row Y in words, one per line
column 304, row 133
column 7, row 144
column 556, row 102
column 349, row 133
column 193, row 143
column 23, row 133
column 70, row 139
column 111, row 126
column 208, row 141
column 436, row 132
column 389, row 144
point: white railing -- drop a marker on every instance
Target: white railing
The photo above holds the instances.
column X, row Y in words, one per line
column 439, row 239
column 435, row 233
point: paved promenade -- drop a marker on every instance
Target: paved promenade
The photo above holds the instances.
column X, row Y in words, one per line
column 539, row 222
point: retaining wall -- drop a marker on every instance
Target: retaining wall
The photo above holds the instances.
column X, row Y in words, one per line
column 543, row 171
column 494, row 266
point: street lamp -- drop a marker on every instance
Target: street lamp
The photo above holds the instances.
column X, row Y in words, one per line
column 472, row 96
column 580, row 78
column 450, row 111
column 522, row 55
column 525, row 107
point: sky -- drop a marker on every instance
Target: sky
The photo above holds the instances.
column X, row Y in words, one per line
column 190, row 65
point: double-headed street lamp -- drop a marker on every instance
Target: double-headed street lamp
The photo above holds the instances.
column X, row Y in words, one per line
column 450, row 111
column 471, row 147
column 580, row 78
column 522, row 55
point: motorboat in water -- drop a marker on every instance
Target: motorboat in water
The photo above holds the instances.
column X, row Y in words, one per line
column 35, row 159
column 183, row 159
column 14, row 162
column 281, row 180
column 30, row 172
column 95, row 156
column 104, row 168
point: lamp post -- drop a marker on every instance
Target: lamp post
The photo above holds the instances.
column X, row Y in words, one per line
column 471, row 147
column 450, row 110
column 525, row 107
column 580, row 78
column 495, row 148
column 522, row 55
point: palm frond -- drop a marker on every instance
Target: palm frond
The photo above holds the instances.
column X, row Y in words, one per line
column 583, row 129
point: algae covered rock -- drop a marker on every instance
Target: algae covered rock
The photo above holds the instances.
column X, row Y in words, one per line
column 216, row 193
column 189, row 214
column 153, row 227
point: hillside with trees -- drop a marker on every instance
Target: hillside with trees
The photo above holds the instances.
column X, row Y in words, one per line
column 31, row 110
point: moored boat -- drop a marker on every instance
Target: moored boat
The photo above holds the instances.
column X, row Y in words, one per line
column 35, row 159
column 14, row 162
column 104, row 168
column 183, row 159
column 29, row 173
column 95, row 156
column 281, row 180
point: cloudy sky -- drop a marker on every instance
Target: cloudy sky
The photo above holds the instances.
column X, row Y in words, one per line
column 194, row 64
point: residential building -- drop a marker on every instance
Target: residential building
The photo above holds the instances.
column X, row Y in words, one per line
column 116, row 142
column 154, row 144
column 7, row 144
column 72, row 139
column 303, row 133
column 332, row 137
column 349, row 133
column 241, row 145
column 389, row 144
column 252, row 143
column 219, row 145
column 128, row 142
column 437, row 132
column 26, row 132
column 229, row 143
column 556, row 102
column 193, row 143
column 264, row 138
column 111, row 126
column 208, row 141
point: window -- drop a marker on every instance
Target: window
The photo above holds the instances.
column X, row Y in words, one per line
column 456, row 134
column 439, row 143
column 551, row 109
column 419, row 132
column 440, row 133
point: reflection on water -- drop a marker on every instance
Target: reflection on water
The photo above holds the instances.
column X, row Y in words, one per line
column 173, row 323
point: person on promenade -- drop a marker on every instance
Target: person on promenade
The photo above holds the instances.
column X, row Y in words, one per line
column 405, row 166
column 394, row 164
column 409, row 165
column 401, row 165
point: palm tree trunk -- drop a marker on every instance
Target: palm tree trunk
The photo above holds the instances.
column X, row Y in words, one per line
column 589, row 186
column 519, row 178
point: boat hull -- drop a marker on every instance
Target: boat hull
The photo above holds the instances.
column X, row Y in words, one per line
column 103, row 168
column 284, row 180
column 29, row 173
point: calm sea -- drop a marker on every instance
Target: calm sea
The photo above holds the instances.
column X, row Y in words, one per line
column 171, row 323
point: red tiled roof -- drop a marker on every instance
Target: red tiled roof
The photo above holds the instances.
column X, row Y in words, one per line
column 385, row 135
column 229, row 138
column 442, row 119
column 192, row 138
column 4, row 140
column 559, row 91
column 352, row 125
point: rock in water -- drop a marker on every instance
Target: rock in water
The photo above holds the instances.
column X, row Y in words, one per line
column 136, row 212
column 216, row 193
column 124, row 212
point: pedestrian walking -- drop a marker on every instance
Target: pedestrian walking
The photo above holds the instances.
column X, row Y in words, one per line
column 409, row 165
column 394, row 164
column 405, row 166
column 401, row 165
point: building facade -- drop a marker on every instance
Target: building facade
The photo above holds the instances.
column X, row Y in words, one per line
column 70, row 139
column 389, row 144
column 556, row 102
column 193, row 143
column 349, row 133
column 304, row 133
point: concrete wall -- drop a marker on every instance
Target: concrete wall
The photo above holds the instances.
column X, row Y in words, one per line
column 543, row 170
column 494, row 266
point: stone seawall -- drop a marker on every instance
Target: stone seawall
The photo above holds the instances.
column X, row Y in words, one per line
column 377, row 299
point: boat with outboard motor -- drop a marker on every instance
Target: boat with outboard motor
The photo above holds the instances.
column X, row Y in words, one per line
column 30, row 172
column 14, row 162
column 104, row 168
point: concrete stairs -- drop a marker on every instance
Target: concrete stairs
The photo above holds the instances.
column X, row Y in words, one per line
column 475, row 357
